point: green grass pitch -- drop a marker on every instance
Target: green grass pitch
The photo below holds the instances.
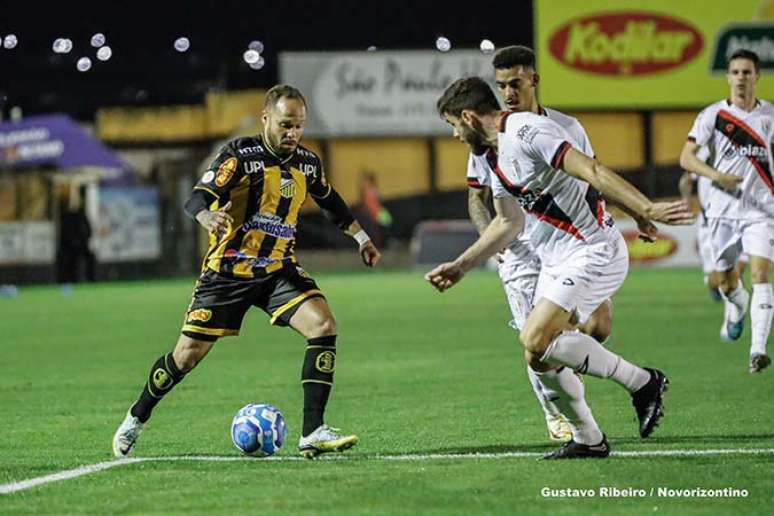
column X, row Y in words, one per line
column 418, row 373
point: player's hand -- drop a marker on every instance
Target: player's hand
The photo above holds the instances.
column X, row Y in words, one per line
column 674, row 213
column 216, row 222
column 445, row 276
column 369, row 254
column 648, row 230
column 727, row 182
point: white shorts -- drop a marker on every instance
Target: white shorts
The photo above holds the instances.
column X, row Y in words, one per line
column 704, row 243
column 731, row 238
column 586, row 278
column 519, row 279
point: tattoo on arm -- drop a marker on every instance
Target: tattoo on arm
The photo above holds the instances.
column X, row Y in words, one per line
column 478, row 208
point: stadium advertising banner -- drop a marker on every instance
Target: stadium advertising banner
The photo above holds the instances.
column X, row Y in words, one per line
column 379, row 93
column 676, row 246
column 599, row 54
column 27, row 243
column 129, row 224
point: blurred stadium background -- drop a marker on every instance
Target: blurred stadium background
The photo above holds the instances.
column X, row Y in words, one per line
column 116, row 144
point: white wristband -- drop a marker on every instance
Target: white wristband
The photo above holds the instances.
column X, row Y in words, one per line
column 361, row 237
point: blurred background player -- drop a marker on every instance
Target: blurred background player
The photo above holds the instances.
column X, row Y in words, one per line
column 584, row 258
column 738, row 135
column 375, row 217
column 249, row 202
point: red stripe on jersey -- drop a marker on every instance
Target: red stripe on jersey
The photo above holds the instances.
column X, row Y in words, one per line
column 564, row 226
column 516, row 190
column 558, row 158
column 763, row 174
column 725, row 115
column 473, row 182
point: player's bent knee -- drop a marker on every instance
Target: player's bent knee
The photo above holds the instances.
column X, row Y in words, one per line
column 189, row 352
column 535, row 339
column 326, row 326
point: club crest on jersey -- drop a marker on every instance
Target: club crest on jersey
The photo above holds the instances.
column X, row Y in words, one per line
column 226, row 172
column 287, row 188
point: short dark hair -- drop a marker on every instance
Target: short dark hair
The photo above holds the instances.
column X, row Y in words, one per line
column 281, row 91
column 743, row 53
column 467, row 93
column 514, row 55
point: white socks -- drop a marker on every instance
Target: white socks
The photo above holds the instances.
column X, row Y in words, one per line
column 761, row 311
column 736, row 302
column 549, row 409
column 585, row 355
column 566, row 391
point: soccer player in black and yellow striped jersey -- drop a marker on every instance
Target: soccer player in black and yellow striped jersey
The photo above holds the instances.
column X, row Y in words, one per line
column 249, row 201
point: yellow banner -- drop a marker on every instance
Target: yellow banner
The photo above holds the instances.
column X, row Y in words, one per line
column 601, row 54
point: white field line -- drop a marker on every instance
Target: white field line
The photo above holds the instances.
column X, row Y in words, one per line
column 13, row 487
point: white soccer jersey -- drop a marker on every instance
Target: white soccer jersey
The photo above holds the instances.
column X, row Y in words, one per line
column 738, row 143
column 480, row 167
column 570, row 212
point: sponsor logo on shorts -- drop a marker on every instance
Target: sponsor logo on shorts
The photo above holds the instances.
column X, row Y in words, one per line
column 226, row 172
column 326, row 362
column 568, row 281
column 647, row 252
column 301, row 272
column 202, row 315
column 626, row 43
column 161, row 379
column 270, row 224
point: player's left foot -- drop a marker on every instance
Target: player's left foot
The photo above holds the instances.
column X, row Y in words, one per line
column 733, row 320
column 576, row 450
column 558, row 428
column 759, row 362
column 648, row 401
column 126, row 435
column 323, row 440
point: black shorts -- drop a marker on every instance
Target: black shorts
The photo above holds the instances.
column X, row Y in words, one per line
column 219, row 303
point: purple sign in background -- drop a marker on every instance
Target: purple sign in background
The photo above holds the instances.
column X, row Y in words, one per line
column 58, row 141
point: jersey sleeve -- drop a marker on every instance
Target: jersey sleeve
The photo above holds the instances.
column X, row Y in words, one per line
column 583, row 141
column 702, row 129
column 546, row 142
column 498, row 190
column 224, row 172
column 318, row 185
column 477, row 177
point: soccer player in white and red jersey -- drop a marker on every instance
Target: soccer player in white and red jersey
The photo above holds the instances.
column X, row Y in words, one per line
column 584, row 258
column 738, row 132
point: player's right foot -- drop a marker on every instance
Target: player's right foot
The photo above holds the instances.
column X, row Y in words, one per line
column 648, row 401
column 733, row 320
column 126, row 435
column 759, row 362
column 558, row 428
column 576, row 450
column 323, row 440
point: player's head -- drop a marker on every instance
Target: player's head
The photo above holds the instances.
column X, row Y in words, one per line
column 744, row 67
column 462, row 105
column 284, row 116
column 515, row 77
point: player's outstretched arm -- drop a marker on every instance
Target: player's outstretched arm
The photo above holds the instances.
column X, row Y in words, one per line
column 505, row 226
column 691, row 162
column 615, row 188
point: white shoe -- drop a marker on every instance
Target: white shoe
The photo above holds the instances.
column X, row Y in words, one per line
column 126, row 435
column 733, row 319
column 323, row 440
column 558, row 428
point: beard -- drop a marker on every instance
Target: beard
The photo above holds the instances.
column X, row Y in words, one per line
column 473, row 136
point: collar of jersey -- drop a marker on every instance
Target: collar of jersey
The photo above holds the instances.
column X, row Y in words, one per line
column 268, row 149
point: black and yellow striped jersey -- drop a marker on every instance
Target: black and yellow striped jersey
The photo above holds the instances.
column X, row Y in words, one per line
column 266, row 194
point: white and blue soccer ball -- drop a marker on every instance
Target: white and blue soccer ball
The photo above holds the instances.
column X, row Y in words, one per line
column 259, row 430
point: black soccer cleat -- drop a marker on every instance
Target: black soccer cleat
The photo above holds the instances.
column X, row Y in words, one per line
column 648, row 401
column 576, row 450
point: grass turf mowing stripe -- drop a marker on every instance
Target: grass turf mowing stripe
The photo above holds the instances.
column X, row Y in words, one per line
column 14, row 487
